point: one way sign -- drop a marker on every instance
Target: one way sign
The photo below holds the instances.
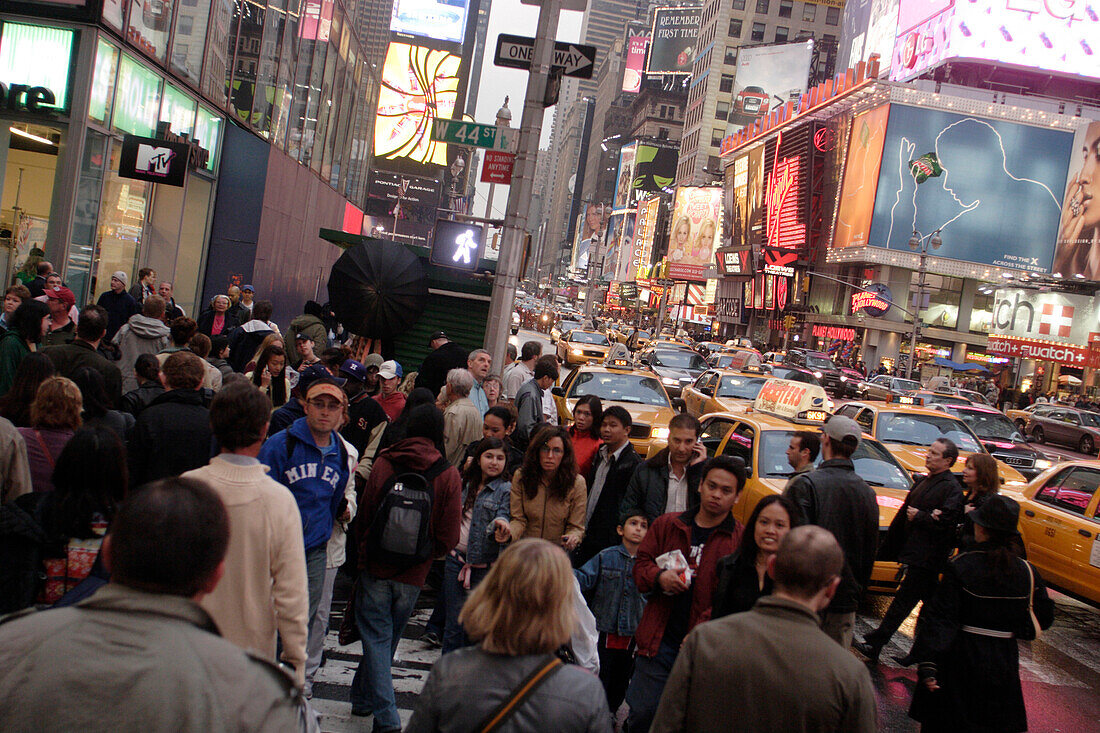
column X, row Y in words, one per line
column 572, row 58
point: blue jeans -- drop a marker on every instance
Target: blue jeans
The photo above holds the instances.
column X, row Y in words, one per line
column 316, row 559
column 454, row 594
column 381, row 612
column 646, row 685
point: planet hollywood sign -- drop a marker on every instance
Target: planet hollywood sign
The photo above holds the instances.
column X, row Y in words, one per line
column 874, row 301
column 841, row 333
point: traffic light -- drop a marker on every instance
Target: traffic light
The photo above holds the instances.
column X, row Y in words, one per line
column 788, row 323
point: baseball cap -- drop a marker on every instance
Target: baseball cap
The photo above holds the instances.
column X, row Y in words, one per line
column 436, row 335
column 247, row 289
column 998, row 513
column 373, row 360
column 314, row 373
column 302, row 336
column 389, row 370
column 839, row 427
column 355, row 370
column 121, row 277
column 63, row 294
column 326, row 385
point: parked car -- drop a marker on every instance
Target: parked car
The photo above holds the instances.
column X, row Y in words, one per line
column 1078, row 429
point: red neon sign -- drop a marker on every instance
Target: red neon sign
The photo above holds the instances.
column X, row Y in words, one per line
column 784, row 227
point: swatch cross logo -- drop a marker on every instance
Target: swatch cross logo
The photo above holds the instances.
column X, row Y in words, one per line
column 155, row 161
column 1056, row 320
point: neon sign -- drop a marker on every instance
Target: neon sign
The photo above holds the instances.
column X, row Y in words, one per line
column 841, row 333
column 786, row 231
column 875, row 301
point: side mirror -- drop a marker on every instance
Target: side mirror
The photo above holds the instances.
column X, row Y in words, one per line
column 679, row 404
column 558, row 392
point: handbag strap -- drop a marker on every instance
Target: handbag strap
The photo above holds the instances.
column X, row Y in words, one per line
column 1030, row 587
column 524, row 690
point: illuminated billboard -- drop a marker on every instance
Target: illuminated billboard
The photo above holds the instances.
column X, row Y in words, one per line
column 767, row 77
column 696, row 228
column 1078, row 242
column 645, row 226
column 675, row 40
column 1034, row 34
column 747, row 217
column 624, row 183
column 418, row 85
column 625, row 267
column 440, row 19
column 654, row 167
column 959, row 175
column 635, row 63
column 857, row 194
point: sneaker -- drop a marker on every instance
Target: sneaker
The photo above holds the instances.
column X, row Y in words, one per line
column 360, row 713
column 868, row 650
column 432, row 640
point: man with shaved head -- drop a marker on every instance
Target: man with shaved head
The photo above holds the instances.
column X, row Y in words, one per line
column 773, row 668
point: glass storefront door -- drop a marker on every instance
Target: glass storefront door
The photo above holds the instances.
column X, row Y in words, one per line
column 122, row 215
column 28, row 161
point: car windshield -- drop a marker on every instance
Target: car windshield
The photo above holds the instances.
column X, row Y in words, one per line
column 583, row 337
column 990, row 425
column 723, row 361
column 819, row 362
column 873, row 463
column 906, row 384
column 635, row 389
column 745, row 388
column 568, row 326
column 914, row 429
column 679, row 359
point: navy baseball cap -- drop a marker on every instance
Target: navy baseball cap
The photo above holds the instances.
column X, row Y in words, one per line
column 311, row 374
column 354, row 370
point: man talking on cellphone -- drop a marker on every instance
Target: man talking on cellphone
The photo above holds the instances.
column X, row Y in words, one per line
column 669, row 481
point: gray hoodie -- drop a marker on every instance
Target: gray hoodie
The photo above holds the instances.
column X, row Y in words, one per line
column 140, row 335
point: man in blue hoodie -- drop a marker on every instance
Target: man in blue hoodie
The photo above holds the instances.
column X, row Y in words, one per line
column 314, row 462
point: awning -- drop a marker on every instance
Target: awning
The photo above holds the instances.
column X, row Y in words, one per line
column 964, row 367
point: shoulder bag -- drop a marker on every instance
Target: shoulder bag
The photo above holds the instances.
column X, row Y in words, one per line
column 514, row 701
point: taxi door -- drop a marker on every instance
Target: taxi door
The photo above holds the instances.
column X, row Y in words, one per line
column 714, row 435
column 695, row 395
column 1060, row 531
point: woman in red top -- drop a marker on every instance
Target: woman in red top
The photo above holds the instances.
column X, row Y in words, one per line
column 585, row 432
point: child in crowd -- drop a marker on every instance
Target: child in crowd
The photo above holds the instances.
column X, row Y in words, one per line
column 607, row 581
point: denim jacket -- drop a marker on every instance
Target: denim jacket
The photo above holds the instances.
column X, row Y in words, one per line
column 494, row 502
column 607, row 581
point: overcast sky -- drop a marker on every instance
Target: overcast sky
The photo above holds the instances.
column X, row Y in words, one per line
column 510, row 16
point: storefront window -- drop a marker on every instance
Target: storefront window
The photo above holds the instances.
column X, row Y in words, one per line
column 103, row 82
column 121, row 226
column 29, row 171
column 208, row 134
column 189, row 38
column 113, row 12
column 219, row 51
column 86, row 214
column 942, row 296
column 178, row 110
column 37, row 56
column 137, row 99
column 150, row 21
column 191, row 250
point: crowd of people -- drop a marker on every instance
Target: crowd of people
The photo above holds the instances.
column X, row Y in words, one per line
column 184, row 493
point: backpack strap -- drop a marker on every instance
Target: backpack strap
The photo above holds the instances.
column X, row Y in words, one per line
column 519, row 695
column 436, row 469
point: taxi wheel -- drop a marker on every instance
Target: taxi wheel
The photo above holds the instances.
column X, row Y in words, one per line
column 1087, row 446
column 1037, row 433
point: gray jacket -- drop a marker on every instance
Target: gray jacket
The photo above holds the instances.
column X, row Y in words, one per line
column 140, row 335
column 126, row 660
column 466, row 685
column 528, row 404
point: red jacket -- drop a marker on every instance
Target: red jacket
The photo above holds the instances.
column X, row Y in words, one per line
column 415, row 454
column 673, row 532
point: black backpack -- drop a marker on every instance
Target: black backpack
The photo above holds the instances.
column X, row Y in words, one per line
column 400, row 534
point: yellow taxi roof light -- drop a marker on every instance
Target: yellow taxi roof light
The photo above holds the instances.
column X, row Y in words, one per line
column 906, row 399
column 793, row 401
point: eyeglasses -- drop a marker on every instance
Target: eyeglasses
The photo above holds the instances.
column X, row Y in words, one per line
column 329, row 405
column 551, row 451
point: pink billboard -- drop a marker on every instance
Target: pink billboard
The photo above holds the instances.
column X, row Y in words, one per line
column 635, row 62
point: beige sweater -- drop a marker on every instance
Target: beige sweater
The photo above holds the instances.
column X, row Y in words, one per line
column 264, row 589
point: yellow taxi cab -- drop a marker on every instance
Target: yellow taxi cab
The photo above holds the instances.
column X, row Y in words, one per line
column 1060, row 526
column 618, row 383
column 582, row 347
column 722, row 390
column 623, row 335
column 907, row 428
column 760, row 435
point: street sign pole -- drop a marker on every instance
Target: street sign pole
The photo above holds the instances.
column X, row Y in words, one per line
column 523, row 179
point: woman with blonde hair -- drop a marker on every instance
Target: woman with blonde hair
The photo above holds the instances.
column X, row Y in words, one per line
column 519, row 615
column 55, row 417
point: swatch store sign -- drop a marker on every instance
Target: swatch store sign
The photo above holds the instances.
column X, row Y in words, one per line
column 1044, row 326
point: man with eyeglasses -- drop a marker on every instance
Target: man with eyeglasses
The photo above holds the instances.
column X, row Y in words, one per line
column 315, row 463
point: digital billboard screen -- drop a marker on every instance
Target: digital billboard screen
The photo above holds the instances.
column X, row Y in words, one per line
column 696, row 229
column 767, row 77
column 675, row 40
column 961, row 175
column 1052, row 36
column 444, row 20
column 747, row 217
column 1077, row 244
column 418, row 85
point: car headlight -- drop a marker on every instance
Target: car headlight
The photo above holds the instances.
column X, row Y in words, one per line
column 843, row 378
column 658, row 433
column 669, row 381
column 817, row 374
column 1043, row 464
column 576, row 352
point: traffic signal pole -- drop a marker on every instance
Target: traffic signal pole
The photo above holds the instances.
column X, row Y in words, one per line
column 523, row 179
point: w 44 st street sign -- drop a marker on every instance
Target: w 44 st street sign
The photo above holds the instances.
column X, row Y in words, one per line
column 471, row 134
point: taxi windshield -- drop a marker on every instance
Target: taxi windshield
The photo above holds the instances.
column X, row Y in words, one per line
column 635, row 389
column 582, row 337
column 873, row 463
column 678, row 359
column 744, row 388
column 990, row 425
column 915, row 429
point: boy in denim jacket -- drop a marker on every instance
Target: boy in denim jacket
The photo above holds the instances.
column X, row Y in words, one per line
column 607, row 581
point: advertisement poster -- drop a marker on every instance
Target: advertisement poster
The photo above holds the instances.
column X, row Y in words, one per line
column 970, row 172
column 624, row 183
column 149, row 25
column 626, row 268
column 748, row 217
column 611, row 251
column 767, row 77
column 401, row 208
column 1077, row 246
column 675, row 40
column 438, row 19
column 857, row 195
column 418, row 85
column 696, row 224
column 588, row 228
column 645, row 227
column 635, row 63
column 654, row 167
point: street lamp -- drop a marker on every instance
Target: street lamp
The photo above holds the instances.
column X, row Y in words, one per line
column 917, row 241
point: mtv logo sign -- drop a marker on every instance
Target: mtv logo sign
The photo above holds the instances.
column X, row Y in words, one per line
column 155, row 161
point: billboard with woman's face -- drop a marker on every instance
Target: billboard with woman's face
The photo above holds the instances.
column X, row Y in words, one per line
column 1077, row 250
column 696, row 229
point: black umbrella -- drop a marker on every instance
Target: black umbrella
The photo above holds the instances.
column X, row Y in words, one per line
column 378, row 288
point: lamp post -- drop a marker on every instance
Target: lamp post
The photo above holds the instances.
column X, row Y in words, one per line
column 918, row 242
